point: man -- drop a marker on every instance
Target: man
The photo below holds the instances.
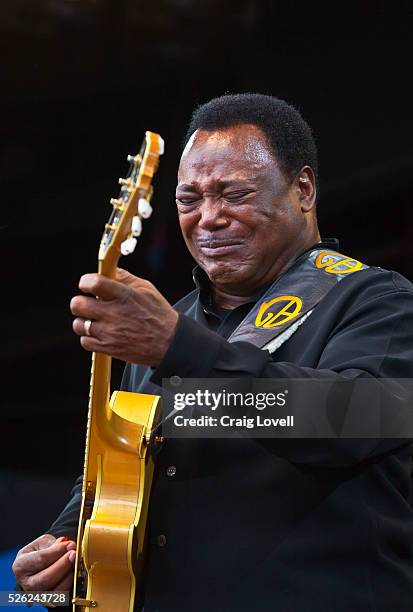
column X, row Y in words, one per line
column 297, row 525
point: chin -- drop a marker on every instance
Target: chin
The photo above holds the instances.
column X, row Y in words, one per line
column 225, row 273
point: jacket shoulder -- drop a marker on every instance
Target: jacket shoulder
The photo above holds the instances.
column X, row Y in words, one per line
column 373, row 282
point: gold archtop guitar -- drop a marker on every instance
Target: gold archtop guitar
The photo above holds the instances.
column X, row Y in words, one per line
column 118, row 467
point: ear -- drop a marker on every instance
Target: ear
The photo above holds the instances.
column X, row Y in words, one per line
column 306, row 190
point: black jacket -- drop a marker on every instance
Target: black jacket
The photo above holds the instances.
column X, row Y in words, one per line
column 284, row 525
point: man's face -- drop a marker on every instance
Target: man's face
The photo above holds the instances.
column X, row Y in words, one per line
column 239, row 215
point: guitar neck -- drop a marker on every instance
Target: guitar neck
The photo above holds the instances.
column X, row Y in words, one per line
column 101, row 364
column 99, row 394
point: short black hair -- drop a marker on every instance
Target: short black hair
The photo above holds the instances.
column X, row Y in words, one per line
column 290, row 137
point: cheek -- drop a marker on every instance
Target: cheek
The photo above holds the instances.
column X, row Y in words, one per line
column 269, row 229
column 282, row 219
column 187, row 223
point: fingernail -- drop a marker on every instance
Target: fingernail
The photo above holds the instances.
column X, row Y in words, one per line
column 71, row 555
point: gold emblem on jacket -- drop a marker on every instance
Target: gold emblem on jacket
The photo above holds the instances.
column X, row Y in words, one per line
column 334, row 263
column 268, row 319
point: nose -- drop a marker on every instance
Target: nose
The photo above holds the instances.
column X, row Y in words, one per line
column 212, row 215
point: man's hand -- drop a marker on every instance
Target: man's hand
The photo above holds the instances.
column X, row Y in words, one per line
column 132, row 321
column 46, row 564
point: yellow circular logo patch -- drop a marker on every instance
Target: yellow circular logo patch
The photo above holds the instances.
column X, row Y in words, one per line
column 334, row 263
column 267, row 319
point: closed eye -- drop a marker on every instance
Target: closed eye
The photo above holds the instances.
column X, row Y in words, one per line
column 187, row 201
column 236, row 195
column 232, row 196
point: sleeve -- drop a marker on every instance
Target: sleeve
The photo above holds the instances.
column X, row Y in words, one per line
column 67, row 522
column 372, row 340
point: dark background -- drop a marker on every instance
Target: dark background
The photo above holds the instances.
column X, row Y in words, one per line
column 81, row 82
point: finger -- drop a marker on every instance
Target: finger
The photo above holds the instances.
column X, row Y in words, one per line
column 87, row 307
column 101, row 286
column 37, row 560
column 49, row 577
column 66, row 583
column 126, row 278
column 92, row 344
column 78, row 326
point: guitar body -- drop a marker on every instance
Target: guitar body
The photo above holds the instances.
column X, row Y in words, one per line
column 112, row 539
column 118, row 468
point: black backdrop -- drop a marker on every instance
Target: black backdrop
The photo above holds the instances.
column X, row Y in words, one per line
column 81, row 82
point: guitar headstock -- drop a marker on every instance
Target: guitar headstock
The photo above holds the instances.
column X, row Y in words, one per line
column 131, row 206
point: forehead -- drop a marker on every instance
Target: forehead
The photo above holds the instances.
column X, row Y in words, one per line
column 243, row 148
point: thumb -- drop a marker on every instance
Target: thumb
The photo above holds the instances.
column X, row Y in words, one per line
column 45, row 541
column 40, row 543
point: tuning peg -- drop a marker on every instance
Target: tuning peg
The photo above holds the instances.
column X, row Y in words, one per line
column 136, row 226
column 128, row 246
column 116, row 203
column 144, row 208
column 125, row 193
column 134, row 159
column 123, row 181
